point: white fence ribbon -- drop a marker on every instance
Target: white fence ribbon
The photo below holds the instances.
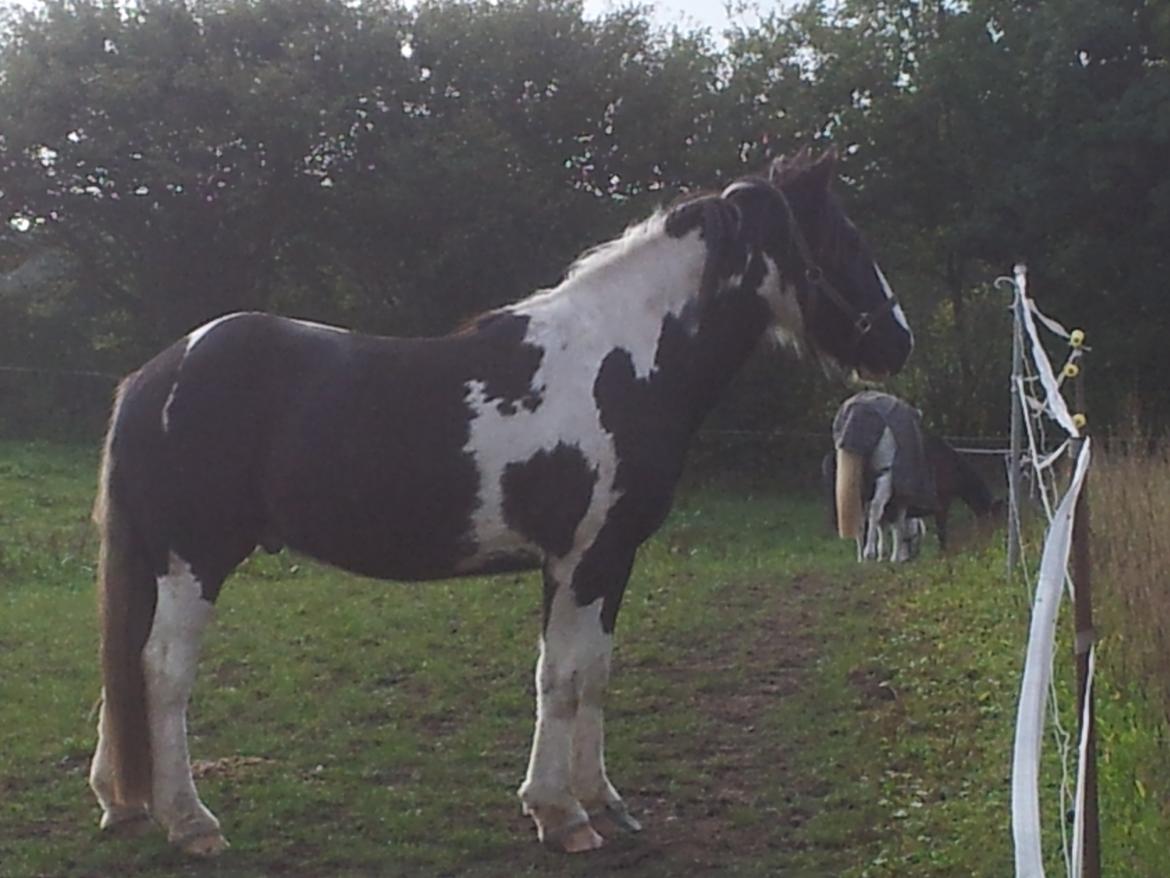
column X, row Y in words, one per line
column 1078, row 845
column 1054, row 402
column 1037, row 674
column 1053, row 326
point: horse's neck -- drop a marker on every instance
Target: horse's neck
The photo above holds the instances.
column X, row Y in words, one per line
column 970, row 486
column 638, row 296
column 622, row 291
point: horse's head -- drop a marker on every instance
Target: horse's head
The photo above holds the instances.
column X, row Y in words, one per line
column 832, row 297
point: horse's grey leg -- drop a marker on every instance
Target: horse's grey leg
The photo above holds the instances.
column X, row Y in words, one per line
column 900, row 550
column 573, row 663
column 883, row 490
column 169, row 660
column 881, row 461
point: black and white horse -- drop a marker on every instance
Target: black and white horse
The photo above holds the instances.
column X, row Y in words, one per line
column 547, row 434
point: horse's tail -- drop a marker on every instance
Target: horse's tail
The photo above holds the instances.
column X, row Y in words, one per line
column 829, row 488
column 126, row 600
column 849, row 468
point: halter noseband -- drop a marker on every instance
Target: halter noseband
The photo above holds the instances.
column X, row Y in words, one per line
column 813, row 273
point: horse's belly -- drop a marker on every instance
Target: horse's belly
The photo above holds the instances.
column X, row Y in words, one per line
column 422, row 538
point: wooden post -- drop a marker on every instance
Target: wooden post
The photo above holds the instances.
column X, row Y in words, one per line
column 1085, row 635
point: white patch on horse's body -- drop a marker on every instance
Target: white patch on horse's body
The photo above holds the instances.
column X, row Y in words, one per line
column 169, row 660
column 788, row 328
column 616, row 297
column 576, row 334
column 166, row 409
column 197, row 335
column 312, row 324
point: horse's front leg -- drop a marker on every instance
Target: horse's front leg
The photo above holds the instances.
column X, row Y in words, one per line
column 169, row 659
column 566, row 771
column 589, row 782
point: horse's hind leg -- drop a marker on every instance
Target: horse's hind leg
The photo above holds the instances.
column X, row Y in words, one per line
column 169, row 661
column 125, row 819
column 900, row 543
column 883, row 490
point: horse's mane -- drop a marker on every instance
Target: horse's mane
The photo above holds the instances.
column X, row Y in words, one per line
column 716, row 217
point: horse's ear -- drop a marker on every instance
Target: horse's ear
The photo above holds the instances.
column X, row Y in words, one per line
column 783, row 167
column 818, row 171
column 824, row 169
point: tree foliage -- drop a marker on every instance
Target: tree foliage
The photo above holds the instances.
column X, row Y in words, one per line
column 402, row 168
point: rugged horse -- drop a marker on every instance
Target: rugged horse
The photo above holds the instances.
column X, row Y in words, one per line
column 547, row 434
column 894, row 498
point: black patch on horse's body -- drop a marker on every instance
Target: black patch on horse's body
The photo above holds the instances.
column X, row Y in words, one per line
column 546, row 496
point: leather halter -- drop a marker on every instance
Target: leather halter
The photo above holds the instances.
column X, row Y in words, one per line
column 863, row 321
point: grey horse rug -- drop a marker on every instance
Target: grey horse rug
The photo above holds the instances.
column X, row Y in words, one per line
column 858, row 426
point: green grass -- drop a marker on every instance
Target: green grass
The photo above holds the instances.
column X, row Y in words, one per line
column 775, row 709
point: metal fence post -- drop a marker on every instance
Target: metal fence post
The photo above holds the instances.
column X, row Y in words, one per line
column 1017, row 422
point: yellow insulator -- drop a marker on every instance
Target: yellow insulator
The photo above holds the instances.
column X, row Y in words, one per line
column 1079, row 421
column 1071, row 370
column 1076, row 338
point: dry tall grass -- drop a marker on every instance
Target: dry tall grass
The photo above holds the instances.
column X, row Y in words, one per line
column 1130, row 520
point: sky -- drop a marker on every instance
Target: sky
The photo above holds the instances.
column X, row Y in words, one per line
column 687, row 13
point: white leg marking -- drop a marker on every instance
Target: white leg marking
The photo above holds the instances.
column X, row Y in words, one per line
column 170, row 659
column 573, row 664
column 101, row 781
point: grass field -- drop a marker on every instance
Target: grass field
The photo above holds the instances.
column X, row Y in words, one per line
column 775, row 709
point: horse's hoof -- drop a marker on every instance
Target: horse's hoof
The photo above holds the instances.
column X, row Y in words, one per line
column 620, row 815
column 579, row 839
column 210, row 844
column 126, row 822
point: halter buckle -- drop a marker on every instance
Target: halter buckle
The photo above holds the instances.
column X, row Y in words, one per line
column 863, row 324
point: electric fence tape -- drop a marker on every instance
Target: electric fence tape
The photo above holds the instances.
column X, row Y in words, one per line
column 1041, row 391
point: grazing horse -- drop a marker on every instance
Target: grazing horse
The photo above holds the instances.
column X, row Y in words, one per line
column 954, row 478
column 546, row 434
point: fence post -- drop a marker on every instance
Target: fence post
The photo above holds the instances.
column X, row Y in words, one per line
column 1083, row 643
column 1017, row 422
